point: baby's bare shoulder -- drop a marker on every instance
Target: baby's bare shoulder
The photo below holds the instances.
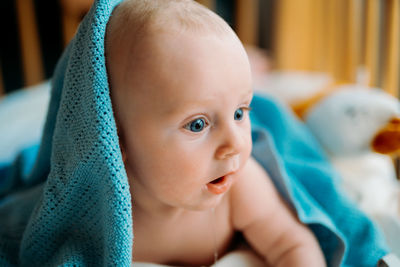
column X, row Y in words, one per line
column 253, row 195
column 253, row 168
column 251, row 182
column 269, row 225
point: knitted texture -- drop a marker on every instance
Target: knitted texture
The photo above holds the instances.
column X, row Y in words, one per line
column 82, row 214
column 74, row 206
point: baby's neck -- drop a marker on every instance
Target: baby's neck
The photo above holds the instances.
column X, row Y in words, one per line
column 146, row 209
column 163, row 214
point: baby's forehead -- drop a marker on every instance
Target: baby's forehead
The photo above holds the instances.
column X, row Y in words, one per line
column 132, row 21
column 133, row 18
column 134, row 31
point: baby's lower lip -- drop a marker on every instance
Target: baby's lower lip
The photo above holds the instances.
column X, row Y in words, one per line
column 219, row 185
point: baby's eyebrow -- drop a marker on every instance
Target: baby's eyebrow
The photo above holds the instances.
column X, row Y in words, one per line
column 193, row 104
column 186, row 106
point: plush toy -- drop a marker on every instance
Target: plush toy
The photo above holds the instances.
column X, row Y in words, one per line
column 353, row 119
column 359, row 128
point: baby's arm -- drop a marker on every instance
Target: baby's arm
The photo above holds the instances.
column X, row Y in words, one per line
column 268, row 224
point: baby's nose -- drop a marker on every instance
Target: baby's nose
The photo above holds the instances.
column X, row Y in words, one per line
column 232, row 145
column 226, row 151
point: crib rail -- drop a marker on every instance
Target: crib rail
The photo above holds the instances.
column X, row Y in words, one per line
column 33, row 71
column 28, row 63
column 391, row 80
column 355, row 41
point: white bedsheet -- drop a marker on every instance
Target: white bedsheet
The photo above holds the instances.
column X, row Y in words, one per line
column 22, row 115
column 238, row 258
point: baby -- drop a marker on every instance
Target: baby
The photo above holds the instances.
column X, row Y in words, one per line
column 181, row 89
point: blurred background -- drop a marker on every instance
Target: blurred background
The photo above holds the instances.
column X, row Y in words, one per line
column 354, row 41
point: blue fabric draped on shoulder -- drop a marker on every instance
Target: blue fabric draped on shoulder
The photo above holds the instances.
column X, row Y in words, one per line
column 73, row 206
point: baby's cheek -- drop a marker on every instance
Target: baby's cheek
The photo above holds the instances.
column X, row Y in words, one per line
column 249, row 141
column 248, row 152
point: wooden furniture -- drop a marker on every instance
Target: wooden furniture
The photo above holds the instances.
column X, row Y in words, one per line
column 355, row 41
column 31, row 43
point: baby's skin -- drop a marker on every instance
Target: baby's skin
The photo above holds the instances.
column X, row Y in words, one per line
column 181, row 93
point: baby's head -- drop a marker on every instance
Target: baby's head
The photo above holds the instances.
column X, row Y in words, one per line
column 181, row 86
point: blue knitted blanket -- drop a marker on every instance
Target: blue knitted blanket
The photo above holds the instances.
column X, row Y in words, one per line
column 67, row 202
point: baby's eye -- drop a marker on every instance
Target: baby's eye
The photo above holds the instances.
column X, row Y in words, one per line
column 239, row 114
column 196, row 125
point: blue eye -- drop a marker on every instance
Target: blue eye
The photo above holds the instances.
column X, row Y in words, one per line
column 239, row 114
column 196, row 125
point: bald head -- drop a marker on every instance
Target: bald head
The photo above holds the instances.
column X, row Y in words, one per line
column 138, row 17
column 135, row 20
column 135, row 24
column 151, row 42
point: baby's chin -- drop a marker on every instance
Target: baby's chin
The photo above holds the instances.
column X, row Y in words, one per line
column 208, row 203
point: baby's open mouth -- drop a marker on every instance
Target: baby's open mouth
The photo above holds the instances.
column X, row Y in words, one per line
column 216, row 181
column 220, row 185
